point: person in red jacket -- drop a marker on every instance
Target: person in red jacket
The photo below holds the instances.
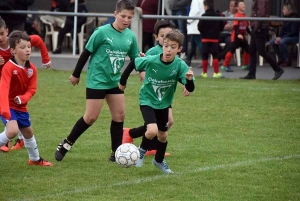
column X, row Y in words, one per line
column 6, row 55
column 18, row 86
column 238, row 38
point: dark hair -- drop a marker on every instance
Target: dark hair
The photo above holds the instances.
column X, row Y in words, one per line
column 163, row 24
column 2, row 23
column 16, row 36
column 124, row 5
column 209, row 3
column 175, row 35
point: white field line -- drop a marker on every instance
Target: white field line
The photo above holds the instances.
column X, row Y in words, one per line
column 158, row 177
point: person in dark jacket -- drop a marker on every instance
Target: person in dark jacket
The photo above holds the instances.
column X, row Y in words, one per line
column 210, row 31
column 15, row 21
column 289, row 35
column 69, row 23
column 259, row 36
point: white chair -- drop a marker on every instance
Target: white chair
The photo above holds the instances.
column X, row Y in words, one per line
column 261, row 59
column 50, row 21
column 298, row 56
column 82, row 35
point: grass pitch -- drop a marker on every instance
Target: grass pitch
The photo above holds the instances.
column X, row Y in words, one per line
column 231, row 140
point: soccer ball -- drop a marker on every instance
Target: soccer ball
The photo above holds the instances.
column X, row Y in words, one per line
column 127, row 155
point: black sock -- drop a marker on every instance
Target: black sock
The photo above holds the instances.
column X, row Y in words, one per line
column 145, row 143
column 137, row 132
column 161, row 150
column 153, row 144
column 77, row 130
column 116, row 134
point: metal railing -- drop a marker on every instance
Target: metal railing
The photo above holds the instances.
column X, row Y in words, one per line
column 136, row 24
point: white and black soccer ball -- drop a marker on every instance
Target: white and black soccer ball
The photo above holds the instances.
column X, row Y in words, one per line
column 127, row 155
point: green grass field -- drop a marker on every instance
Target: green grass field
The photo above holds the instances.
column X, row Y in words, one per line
column 231, row 140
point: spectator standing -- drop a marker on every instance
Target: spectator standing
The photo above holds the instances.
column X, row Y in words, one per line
column 259, row 35
column 178, row 7
column 289, row 35
column 15, row 21
column 149, row 7
column 197, row 9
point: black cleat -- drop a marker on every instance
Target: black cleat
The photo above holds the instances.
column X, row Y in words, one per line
column 248, row 77
column 278, row 74
column 62, row 149
column 112, row 157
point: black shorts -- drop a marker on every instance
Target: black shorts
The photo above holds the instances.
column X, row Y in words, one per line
column 157, row 116
column 101, row 93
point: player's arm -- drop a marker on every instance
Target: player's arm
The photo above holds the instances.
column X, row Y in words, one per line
column 36, row 41
column 31, row 89
column 125, row 74
column 84, row 56
column 4, row 88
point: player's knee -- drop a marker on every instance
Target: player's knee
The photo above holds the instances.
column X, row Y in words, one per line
column 162, row 136
column 12, row 132
column 152, row 131
column 170, row 122
column 90, row 119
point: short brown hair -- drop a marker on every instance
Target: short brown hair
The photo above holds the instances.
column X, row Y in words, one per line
column 2, row 23
column 16, row 36
column 160, row 24
column 175, row 35
column 124, row 5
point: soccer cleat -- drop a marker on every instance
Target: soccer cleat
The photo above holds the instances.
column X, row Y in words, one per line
column 62, row 149
column 5, row 148
column 153, row 152
column 142, row 157
column 126, row 137
column 40, row 162
column 218, row 75
column 204, row 75
column 226, row 68
column 278, row 74
column 112, row 157
column 162, row 166
column 245, row 67
column 18, row 144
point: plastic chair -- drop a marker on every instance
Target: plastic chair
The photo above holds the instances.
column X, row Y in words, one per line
column 82, row 35
column 261, row 59
column 49, row 21
column 298, row 56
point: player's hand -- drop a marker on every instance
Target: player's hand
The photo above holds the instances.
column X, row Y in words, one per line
column 74, row 80
column 185, row 92
column 121, row 87
column 6, row 115
column 277, row 40
column 142, row 76
column 17, row 100
column 190, row 74
column 142, row 54
column 240, row 37
column 47, row 65
column 1, row 61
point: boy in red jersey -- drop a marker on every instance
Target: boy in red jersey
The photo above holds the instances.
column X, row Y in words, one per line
column 6, row 55
column 18, row 86
column 238, row 38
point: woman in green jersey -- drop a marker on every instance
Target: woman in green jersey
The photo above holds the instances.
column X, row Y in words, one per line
column 107, row 48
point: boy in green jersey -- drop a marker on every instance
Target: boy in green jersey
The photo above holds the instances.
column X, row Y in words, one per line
column 107, row 48
column 161, row 28
column 157, row 93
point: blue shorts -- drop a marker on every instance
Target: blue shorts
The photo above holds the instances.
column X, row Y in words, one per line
column 22, row 118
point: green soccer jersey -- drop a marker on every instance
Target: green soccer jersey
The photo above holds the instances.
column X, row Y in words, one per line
column 109, row 48
column 160, row 80
column 155, row 50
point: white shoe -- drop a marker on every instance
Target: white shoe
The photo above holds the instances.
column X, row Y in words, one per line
column 141, row 159
column 183, row 55
column 162, row 166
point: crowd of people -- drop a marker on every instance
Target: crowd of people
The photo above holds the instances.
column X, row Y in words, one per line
column 106, row 50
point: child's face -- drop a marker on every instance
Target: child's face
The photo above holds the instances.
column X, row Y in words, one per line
column 162, row 32
column 3, row 36
column 232, row 7
column 170, row 50
column 123, row 19
column 241, row 7
column 205, row 7
column 22, row 50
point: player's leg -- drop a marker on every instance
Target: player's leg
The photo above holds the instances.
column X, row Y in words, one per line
column 150, row 120
column 162, row 121
column 94, row 102
column 205, row 54
column 228, row 56
column 246, row 56
column 10, row 131
column 116, row 104
column 214, row 50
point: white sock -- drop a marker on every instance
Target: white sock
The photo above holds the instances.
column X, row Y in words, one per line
column 3, row 138
column 20, row 136
column 32, row 149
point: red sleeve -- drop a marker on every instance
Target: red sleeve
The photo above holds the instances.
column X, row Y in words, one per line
column 31, row 88
column 36, row 41
column 4, row 88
